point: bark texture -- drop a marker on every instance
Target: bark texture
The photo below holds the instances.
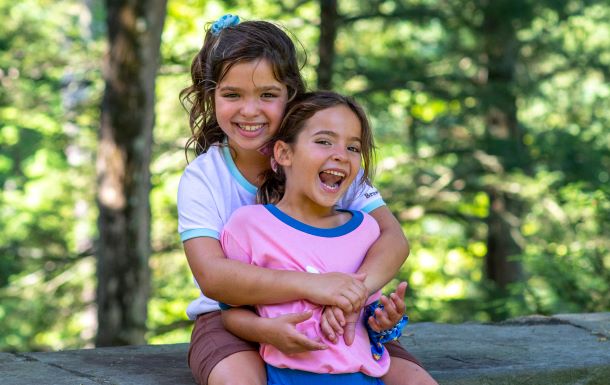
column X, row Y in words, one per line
column 123, row 175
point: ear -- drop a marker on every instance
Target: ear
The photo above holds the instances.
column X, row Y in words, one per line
column 282, row 153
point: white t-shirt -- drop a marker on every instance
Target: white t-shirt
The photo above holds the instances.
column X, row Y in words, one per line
column 212, row 188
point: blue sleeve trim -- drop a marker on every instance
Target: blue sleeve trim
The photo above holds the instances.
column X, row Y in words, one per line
column 196, row 233
column 373, row 205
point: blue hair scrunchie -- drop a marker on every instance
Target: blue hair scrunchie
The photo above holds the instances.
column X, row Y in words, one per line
column 225, row 21
column 380, row 338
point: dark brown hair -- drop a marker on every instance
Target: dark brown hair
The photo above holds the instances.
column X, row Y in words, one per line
column 244, row 42
column 302, row 108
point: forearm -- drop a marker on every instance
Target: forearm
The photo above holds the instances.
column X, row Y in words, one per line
column 245, row 324
column 239, row 283
column 385, row 257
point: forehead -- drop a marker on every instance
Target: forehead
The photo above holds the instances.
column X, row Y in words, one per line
column 339, row 120
column 259, row 71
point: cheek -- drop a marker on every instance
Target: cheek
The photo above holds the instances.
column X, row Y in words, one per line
column 356, row 162
column 278, row 109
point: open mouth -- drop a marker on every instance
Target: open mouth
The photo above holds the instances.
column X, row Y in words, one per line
column 332, row 179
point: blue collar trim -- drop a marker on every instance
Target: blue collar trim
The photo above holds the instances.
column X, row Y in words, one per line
column 226, row 152
column 345, row 228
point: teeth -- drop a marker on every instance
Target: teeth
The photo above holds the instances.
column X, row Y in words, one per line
column 336, row 173
column 251, row 127
column 333, row 187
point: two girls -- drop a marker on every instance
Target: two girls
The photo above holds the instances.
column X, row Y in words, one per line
column 242, row 79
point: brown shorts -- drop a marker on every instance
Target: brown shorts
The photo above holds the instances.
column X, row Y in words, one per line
column 212, row 343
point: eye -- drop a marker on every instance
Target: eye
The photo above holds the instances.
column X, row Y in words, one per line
column 323, row 142
column 268, row 95
column 353, row 149
column 230, row 95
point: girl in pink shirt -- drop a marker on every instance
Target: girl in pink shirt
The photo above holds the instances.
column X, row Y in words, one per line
column 318, row 152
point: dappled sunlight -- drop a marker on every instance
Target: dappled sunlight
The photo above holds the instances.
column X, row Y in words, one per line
column 474, row 158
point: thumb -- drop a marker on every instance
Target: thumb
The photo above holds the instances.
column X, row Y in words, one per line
column 401, row 290
column 359, row 276
column 349, row 333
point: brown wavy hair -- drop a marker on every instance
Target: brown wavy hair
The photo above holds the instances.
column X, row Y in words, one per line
column 299, row 110
column 244, row 42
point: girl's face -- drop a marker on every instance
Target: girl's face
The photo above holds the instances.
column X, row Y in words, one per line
column 250, row 104
column 325, row 159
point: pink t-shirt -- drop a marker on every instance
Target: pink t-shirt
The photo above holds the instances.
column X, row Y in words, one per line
column 265, row 236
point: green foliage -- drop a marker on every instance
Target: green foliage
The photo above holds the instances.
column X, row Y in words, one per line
column 47, row 212
column 417, row 66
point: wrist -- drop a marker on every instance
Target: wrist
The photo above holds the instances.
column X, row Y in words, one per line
column 262, row 330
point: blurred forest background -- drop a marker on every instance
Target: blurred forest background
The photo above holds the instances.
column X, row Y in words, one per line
column 492, row 120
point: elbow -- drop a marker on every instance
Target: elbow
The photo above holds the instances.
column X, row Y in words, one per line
column 210, row 288
column 406, row 248
column 403, row 247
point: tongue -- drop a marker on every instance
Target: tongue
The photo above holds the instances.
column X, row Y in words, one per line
column 329, row 179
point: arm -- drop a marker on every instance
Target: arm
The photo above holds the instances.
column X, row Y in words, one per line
column 280, row 332
column 387, row 254
column 240, row 283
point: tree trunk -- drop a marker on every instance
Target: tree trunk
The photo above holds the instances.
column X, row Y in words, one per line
column 504, row 141
column 326, row 45
column 123, row 175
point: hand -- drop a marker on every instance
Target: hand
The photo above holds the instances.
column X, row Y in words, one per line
column 283, row 334
column 345, row 291
column 334, row 323
column 393, row 310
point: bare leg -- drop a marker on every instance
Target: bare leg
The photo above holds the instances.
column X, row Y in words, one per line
column 241, row 368
column 405, row 372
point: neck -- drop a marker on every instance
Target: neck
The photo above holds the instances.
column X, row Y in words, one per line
column 251, row 164
column 312, row 213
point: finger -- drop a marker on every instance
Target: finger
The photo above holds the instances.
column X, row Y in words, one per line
column 355, row 301
column 401, row 290
column 338, row 313
column 373, row 324
column 307, row 344
column 399, row 297
column 359, row 276
column 327, row 330
column 350, row 333
column 344, row 304
column 333, row 322
column 296, row 318
column 398, row 303
column 358, row 297
column 382, row 319
column 390, row 309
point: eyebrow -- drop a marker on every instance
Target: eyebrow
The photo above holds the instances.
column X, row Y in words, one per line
column 263, row 88
column 334, row 134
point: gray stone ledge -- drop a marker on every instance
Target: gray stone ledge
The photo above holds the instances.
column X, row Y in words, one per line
column 563, row 349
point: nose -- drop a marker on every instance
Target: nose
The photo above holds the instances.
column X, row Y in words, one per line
column 249, row 107
column 340, row 154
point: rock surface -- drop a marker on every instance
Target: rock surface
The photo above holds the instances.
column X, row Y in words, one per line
column 557, row 350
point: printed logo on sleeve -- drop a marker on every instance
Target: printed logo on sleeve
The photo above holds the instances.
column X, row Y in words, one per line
column 370, row 195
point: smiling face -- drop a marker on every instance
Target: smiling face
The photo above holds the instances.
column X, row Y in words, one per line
column 323, row 161
column 249, row 103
